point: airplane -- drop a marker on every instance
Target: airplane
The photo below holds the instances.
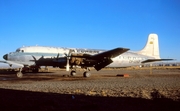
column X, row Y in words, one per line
column 33, row 57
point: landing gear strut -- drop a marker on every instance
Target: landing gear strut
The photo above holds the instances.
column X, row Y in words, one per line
column 19, row 74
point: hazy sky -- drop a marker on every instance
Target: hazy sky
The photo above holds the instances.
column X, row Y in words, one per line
column 101, row 24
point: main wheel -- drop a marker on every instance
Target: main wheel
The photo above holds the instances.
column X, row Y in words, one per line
column 19, row 74
column 86, row 74
column 73, row 73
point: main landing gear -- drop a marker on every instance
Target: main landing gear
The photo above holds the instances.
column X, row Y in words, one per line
column 73, row 73
column 85, row 74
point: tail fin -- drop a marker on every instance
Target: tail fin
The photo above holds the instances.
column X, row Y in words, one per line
column 152, row 47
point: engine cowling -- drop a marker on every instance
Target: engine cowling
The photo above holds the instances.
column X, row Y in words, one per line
column 76, row 59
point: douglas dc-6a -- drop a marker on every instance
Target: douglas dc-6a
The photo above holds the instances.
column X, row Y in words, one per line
column 33, row 57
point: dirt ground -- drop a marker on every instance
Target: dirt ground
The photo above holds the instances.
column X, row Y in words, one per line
column 30, row 92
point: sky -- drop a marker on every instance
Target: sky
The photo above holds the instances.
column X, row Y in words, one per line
column 95, row 24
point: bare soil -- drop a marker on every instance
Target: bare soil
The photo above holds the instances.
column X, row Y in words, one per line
column 102, row 91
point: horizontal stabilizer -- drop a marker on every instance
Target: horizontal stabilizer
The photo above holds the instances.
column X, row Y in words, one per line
column 154, row 60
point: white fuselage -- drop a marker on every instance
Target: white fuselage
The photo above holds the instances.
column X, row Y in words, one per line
column 24, row 55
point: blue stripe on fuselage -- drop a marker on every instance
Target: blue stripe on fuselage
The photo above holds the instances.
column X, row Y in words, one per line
column 36, row 54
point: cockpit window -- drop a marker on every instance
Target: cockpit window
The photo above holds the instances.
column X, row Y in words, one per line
column 18, row 50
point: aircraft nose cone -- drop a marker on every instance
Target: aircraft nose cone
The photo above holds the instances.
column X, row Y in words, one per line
column 5, row 56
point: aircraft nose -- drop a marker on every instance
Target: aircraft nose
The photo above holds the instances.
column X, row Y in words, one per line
column 5, row 56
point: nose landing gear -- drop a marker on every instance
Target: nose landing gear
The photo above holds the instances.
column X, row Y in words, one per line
column 19, row 74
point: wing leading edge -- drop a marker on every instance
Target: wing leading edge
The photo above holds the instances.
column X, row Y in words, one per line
column 103, row 59
column 110, row 53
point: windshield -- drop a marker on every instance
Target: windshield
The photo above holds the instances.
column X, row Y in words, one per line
column 18, row 50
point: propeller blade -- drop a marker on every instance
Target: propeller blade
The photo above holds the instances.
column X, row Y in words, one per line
column 33, row 58
column 68, row 57
column 67, row 65
column 65, row 54
column 58, row 56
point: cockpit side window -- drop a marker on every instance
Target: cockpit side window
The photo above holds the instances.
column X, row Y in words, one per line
column 18, row 50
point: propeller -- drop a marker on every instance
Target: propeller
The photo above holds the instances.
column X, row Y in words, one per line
column 68, row 58
column 57, row 57
column 42, row 57
column 33, row 58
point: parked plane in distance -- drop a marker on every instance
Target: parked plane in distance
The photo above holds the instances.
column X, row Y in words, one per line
column 35, row 56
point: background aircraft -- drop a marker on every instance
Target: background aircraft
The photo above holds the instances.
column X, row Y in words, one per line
column 35, row 56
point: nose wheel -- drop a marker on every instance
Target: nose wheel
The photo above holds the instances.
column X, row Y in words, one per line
column 19, row 74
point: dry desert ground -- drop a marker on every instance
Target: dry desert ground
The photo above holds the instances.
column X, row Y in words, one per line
column 143, row 90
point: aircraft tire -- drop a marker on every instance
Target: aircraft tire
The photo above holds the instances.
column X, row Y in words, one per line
column 86, row 74
column 19, row 74
column 73, row 73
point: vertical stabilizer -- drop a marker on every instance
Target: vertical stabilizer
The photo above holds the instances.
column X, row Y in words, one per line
column 152, row 47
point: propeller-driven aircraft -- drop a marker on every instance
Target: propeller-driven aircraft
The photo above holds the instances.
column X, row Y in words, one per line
column 33, row 57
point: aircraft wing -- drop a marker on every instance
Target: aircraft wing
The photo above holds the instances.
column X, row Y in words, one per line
column 13, row 63
column 103, row 59
column 110, row 53
column 154, row 60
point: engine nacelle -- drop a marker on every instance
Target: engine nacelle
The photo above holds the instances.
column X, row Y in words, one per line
column 76, row 59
